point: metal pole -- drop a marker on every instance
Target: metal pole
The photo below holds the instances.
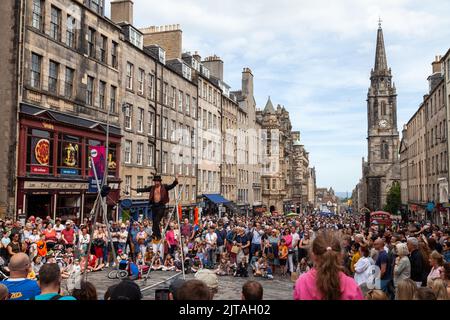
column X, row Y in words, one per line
column 158, row 283
column 179, row 228
column 95, row 209
column 104, row 212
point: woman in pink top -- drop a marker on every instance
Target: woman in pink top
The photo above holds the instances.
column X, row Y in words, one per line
column 171, row 240
column 326, row 281
column 288, row 238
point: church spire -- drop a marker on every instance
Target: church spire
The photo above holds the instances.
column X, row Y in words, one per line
column 380, row 56
column 269, row 107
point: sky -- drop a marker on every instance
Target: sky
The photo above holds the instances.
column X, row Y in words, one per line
column 315, row 57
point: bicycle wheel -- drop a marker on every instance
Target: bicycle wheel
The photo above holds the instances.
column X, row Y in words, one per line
column 122, row 274
column 113, row 274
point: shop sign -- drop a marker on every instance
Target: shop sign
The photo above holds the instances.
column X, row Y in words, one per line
column 98, row 156
column 42, row 152
column 93, row 185
column 39, row 170
column 55, row 185
column 69, row 171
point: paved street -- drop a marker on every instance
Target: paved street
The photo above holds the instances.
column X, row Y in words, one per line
column 229, row 287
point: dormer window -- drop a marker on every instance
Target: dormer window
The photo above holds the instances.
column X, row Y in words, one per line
column 187, row 72
column 136, row 38
column 195, row 64
column 205, row 71
column 162, row 55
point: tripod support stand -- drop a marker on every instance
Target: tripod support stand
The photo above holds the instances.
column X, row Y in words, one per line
column 163, row 238
column 99, row 205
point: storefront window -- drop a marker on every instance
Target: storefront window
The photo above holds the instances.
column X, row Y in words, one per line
column 39, row 152
column 69, row 150
column 112, row 160
column 68, row 207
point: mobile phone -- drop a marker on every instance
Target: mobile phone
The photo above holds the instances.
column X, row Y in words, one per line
column 162, row 294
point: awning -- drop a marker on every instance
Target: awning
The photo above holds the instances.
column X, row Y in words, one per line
column 216, row 198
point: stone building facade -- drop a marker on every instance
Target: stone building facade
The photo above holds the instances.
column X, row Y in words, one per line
column 248, row 144
column 229, row 126
column 9, row 95
column 68, row 70
column 424, row 153
column 312, row 183
column 285, row 161
column 158, row 115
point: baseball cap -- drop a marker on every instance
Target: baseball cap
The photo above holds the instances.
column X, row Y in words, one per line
column 208, row 277
column 126, row 290
column 174, row 286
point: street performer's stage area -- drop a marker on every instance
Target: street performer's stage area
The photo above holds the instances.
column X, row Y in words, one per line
column 229, row 287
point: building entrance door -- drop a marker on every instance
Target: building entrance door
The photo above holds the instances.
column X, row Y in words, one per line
column 39, row 205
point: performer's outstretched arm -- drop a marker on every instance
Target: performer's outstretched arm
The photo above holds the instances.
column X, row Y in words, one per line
column 173, row 185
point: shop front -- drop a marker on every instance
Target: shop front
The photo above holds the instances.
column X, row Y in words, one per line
column 54, row 164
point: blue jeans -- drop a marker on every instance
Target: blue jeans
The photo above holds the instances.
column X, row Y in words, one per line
column 210, row 260
column 253, row 248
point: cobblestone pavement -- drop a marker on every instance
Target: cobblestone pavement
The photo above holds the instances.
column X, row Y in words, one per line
column 229, row 287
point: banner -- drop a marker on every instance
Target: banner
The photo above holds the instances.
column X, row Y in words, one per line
column 195, row 216
column 180, row 212
column 98, row 154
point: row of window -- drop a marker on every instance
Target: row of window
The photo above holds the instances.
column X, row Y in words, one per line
column 208, row 181
column 139, row 160
column 183, row 165
column 54, row 81
column 436, row 103
column 97, row 46
column 208, row 120
column 438, row 164
column 211, row 151
column 242, row 195
column 209, row 93
column 420, row 193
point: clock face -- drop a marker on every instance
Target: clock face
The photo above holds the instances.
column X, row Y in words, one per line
column 383, row 123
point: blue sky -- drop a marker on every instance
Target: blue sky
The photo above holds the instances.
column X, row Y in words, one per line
column 314, row 57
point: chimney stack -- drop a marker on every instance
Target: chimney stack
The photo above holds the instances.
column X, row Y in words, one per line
column 168, row 37
column 247, row 82
column 215, row 66
column 122, row 11
column 437, row 65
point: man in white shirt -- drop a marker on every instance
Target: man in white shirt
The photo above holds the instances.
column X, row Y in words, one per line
column 295, row 240
column 211, row 246
column 58, row 228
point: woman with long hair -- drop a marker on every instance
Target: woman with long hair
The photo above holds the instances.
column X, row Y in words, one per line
column 436, row 261
column 326, row 281
column 439, row 288
column 445, row 276
column 362, row 267
column 405, row 290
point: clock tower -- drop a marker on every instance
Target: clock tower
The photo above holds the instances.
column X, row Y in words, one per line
column 382, row 167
